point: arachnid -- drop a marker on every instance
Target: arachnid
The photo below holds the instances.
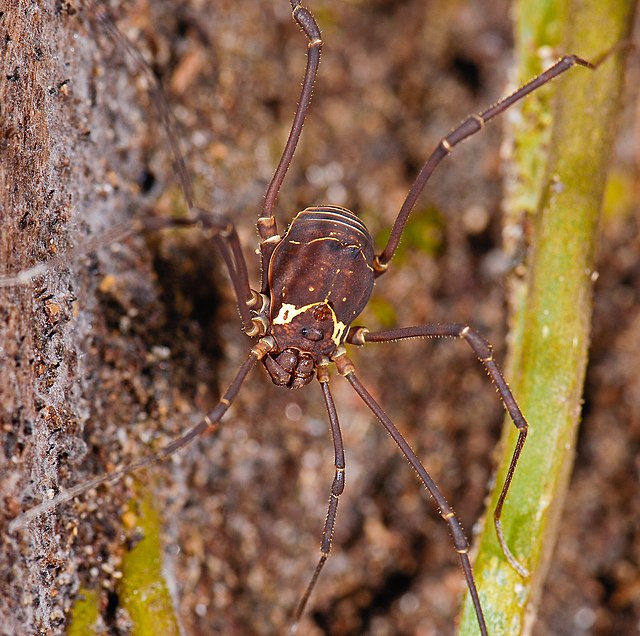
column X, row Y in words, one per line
column 298, row 337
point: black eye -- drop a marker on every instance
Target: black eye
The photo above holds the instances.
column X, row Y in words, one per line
column 315, row 335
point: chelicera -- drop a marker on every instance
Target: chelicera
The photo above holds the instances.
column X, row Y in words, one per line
column 317, row 278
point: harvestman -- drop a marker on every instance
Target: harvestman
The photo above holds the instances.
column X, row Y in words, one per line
column 317, row 279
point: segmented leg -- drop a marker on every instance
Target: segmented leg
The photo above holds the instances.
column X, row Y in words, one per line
column 484, row 353
column 208, row 424
column 470, row 126
column 219, row 227
column 460, row 542
column 337, row 488
column 267, row 227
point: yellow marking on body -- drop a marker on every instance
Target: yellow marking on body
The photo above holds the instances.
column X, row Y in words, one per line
column 338, row 329
column 288, row 312
column 330, row 238
column 323, row 238
column 360, row 227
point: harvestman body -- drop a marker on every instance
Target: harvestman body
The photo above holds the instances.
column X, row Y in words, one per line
column 317, row 279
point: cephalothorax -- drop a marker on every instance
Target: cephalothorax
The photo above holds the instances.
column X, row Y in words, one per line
column 320, row 277
column 316, row 279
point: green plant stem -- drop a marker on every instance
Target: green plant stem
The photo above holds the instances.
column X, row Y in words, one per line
column 85, row 614
column 143, row 590
column 552, row 319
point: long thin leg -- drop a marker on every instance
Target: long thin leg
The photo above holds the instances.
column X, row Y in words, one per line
column 208, row 424
column 157, row 95
column 468, row 127
column 337, row 488
column 218, row 226
column 267, row 227
column 346, row 368
column 484, row 353
column 88, row 245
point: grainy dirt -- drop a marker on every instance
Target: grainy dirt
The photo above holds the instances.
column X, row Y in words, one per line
column 112, row 354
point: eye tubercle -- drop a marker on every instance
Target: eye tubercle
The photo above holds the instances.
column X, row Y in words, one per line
column 312, row 333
